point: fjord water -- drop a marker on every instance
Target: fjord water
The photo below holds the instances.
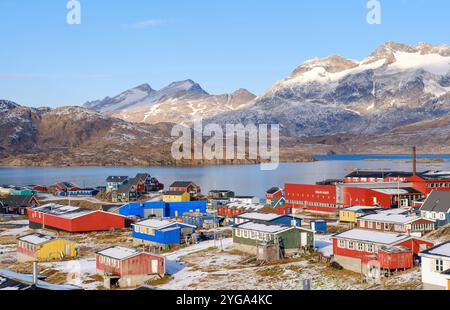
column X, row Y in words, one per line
column 243, row 179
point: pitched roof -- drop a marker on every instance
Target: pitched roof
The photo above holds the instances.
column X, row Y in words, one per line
column 442, row 249
column 267, row 228
column 125, row 188
column 142, row 176
column 17, row 201
column 259, row 216
column 160, row 223
column 273, row 190
column 437, row 201
column 181, row 184
column 391, row 216
column 435, row 175
column 372, row 236
column 119, row 252
column 116, row 179
column 36, row 239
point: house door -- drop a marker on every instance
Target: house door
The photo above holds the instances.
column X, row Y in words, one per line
column 68, row 250
column 304, row 239
column 154, row 266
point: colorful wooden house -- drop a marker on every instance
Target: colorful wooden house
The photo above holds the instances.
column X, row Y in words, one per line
column 436, row 267
column 66, row 186
column 125, row 267
column 351, row 214
column 186, row 186
column 113, row 182
column 360, row 250
column 22, row 191
column 39, row 247
column 161, row 233
column 272, row 193
column 74, row 219
column 17, row 204
column 437, row 208
column 125, row 193
column 252, row 237
column 147, row 183
column 397, row 220
column 171, row 196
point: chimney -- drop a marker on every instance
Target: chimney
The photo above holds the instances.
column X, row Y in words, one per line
column 35, row 273
column 414, row 160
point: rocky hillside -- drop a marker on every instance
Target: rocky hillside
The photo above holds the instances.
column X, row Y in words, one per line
column 395, row 86
column 180, row 102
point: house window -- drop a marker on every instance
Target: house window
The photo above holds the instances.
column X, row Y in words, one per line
column 439, row 265
column 351, row 245
column 386, row 226
column 362, row 224
column 370, row 225
column 370, row 248
column 360, row 246
column 341, row 244
column 378, row 225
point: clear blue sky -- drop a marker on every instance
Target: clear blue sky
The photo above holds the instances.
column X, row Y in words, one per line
column 221, row 44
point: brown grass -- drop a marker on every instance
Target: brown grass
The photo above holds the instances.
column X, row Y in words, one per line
column 270, row 272
column 160, row 281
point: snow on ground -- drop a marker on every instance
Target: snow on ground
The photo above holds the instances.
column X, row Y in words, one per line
column 324, row 244
column 15, row 231
column 16, row 222
column 78, row 272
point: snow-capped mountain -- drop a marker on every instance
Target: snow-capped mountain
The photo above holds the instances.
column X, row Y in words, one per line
column 394, row 86
column 180, row 102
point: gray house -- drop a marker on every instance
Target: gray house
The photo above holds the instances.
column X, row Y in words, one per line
column 437, row 207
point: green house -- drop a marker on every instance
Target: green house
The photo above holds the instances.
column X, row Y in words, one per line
column 289, row 240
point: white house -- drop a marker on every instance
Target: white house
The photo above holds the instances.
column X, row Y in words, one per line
column 436, row 267
column 437, row 207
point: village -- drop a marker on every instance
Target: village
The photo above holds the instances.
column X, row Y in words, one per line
column 370, row 230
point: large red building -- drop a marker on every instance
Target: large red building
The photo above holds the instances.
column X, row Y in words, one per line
column 331, row 198
column 74, row 219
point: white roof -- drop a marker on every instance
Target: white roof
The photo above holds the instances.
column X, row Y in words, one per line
column 372, row 236
column 245, row 206
column 259, row 216
column 443, row 250
column 357, row 208
column 118, row 252
column 155, row 223
column 36, row 238
column 63, row 211
column 392, row 216
column 391, row 191
column 263, row 227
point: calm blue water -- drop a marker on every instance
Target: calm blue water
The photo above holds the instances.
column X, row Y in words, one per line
column 244, row 180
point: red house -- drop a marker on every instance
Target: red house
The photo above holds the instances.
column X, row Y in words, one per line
column 74, row 219
column 272, row 193
column 428, row 181
column 66, row 186
column 126, row 267
column 185, row 186
column 359, row 250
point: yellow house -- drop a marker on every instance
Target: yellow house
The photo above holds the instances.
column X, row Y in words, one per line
column 39, row 247
column 351, row 214
column 176, row 196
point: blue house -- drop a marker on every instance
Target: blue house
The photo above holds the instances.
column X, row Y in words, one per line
column 177, row 209
column 319, row 226
column 437, row 208
column 268, row 218
column 161, row 233
column 144, row 209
